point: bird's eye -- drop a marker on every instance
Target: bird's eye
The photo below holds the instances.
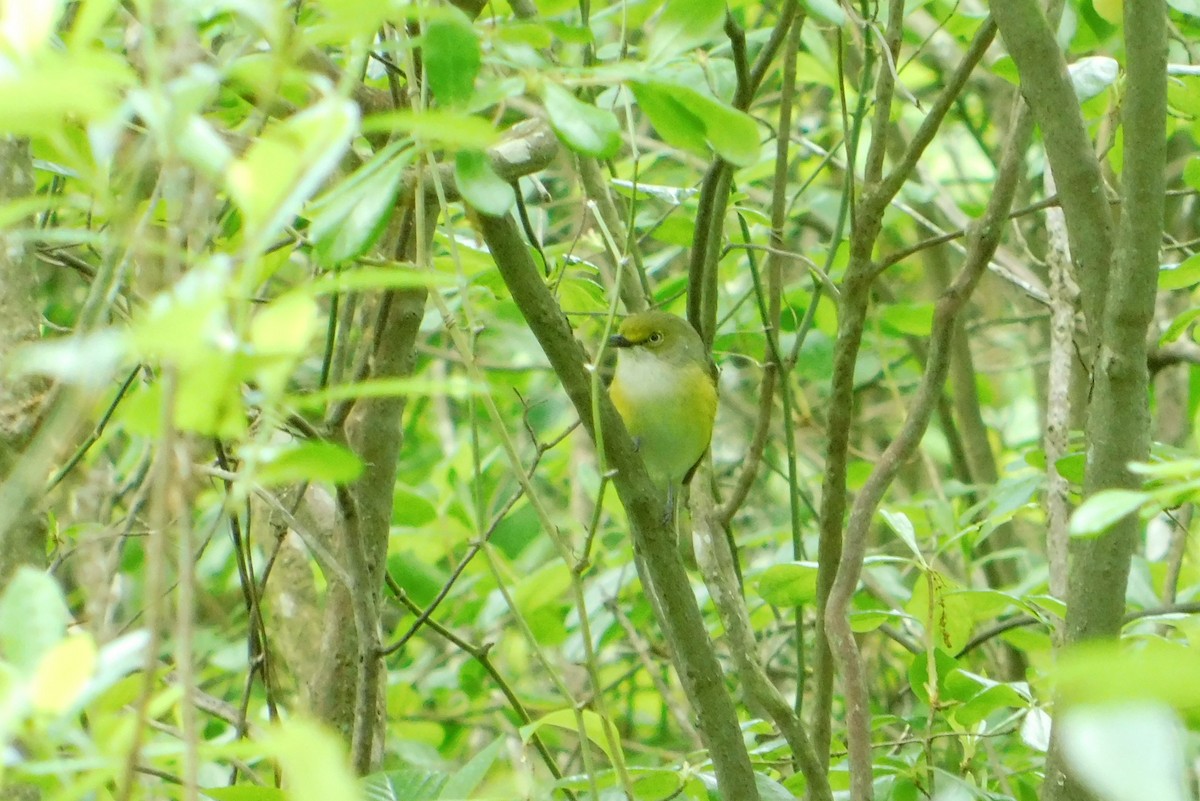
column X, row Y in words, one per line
column 656, row 337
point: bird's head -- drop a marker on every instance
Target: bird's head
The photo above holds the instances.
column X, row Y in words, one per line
column 659, row 335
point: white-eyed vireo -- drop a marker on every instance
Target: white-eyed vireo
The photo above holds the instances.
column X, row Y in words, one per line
column 665, row 388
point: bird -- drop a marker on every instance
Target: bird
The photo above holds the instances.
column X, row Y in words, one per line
column 665, row 389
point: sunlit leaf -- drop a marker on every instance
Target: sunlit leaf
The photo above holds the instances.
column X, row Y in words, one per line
column 314, row 760
column 593, row 727
column 1126, row 753
column 307, row 461
column 26, row 25
column 436, row 126
column 63, row 674
column 33, row 617
column 287, row 164
column 1099, row 512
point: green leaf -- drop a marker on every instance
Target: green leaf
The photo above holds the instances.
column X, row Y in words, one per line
column 688, row 119
column 347, row 220
column 479, row 185
column 908, row 319
column 789, row 584
column 1182, row 322
column 305, row 461
column 1106, row 672
column 288, row 163
column 314, row 761
column 83, row 360
column 583, row 127
column 450, row 53
column 398, row 276
column 684, row 25
column 244, row 793
column 392, row 388
column 440, row 126
column 33, row 618
column 1191, row 172
column 63, row 674
column 28, row 26
column 1178, row 276
column 463, row 782
column 593, row 727
column 903, row 527
column 1099, row 512
column 830, row 10
column 1126, row 753
column 285, row 325
column 410, row 508
column 72, row 88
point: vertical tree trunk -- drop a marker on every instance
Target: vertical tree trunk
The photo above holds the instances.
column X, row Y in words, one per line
column 22, row 534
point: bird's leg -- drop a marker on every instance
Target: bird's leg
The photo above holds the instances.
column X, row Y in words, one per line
column 669, row 517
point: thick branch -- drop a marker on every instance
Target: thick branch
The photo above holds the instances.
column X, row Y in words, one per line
column 691, row 648
column 1047, row 89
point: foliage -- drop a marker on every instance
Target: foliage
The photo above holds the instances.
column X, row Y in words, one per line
column 243, row 303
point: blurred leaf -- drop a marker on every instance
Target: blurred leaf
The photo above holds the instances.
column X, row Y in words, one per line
column 1103, row 672
column 908, row 319
column 415, row 785
column 398, row 276
column 86, row 360
column 437, row 126
column 1126, row 753
column 347, row 220
column 75, row 87
column 63, row 674
column 1099, row 512
column 829, row 10
column 285, row 325
column 593, row 728
column 480, row 186
column 1109, row 10
column 244, row 793
column 392, row 388
column 583, row 127
column 450, row 53
column 1189, row 7
column 33, row 618
column 465, row 780
column 287, row 164
column 685, row 24
column 306, row 461
column 314, row 760
column 26, row 26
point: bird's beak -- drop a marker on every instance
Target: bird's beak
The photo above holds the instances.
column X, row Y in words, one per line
column 618, row 341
